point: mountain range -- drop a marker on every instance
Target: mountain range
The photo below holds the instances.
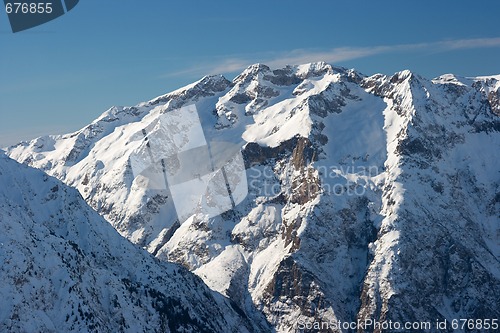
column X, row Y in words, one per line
column 370, row 199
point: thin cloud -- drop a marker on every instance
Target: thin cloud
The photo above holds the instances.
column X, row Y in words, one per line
column 11, row 137
column 335, row 55
column 216, row 67
column 469, row 43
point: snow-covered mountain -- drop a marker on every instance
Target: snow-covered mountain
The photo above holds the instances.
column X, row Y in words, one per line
column 369, row 197
column 65, row 269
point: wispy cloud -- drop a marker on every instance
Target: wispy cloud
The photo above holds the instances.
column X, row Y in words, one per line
column 335, row 55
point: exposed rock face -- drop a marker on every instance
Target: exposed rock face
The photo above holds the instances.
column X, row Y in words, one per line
column 370, row 198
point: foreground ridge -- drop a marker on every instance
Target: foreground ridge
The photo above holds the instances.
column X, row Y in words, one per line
column 66, row 270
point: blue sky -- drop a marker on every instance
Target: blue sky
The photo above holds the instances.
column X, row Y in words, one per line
column 58, row 77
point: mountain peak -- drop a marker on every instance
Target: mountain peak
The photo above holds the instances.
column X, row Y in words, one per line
column 315, row 69
column 250, row 73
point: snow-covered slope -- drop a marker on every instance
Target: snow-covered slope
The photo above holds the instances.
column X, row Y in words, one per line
column 369, row 197
column 65, row 269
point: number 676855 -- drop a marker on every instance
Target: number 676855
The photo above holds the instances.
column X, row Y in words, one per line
column 28, row 8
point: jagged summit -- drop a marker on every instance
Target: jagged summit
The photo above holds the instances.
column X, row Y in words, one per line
column 370, row 197
column 206, row 86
